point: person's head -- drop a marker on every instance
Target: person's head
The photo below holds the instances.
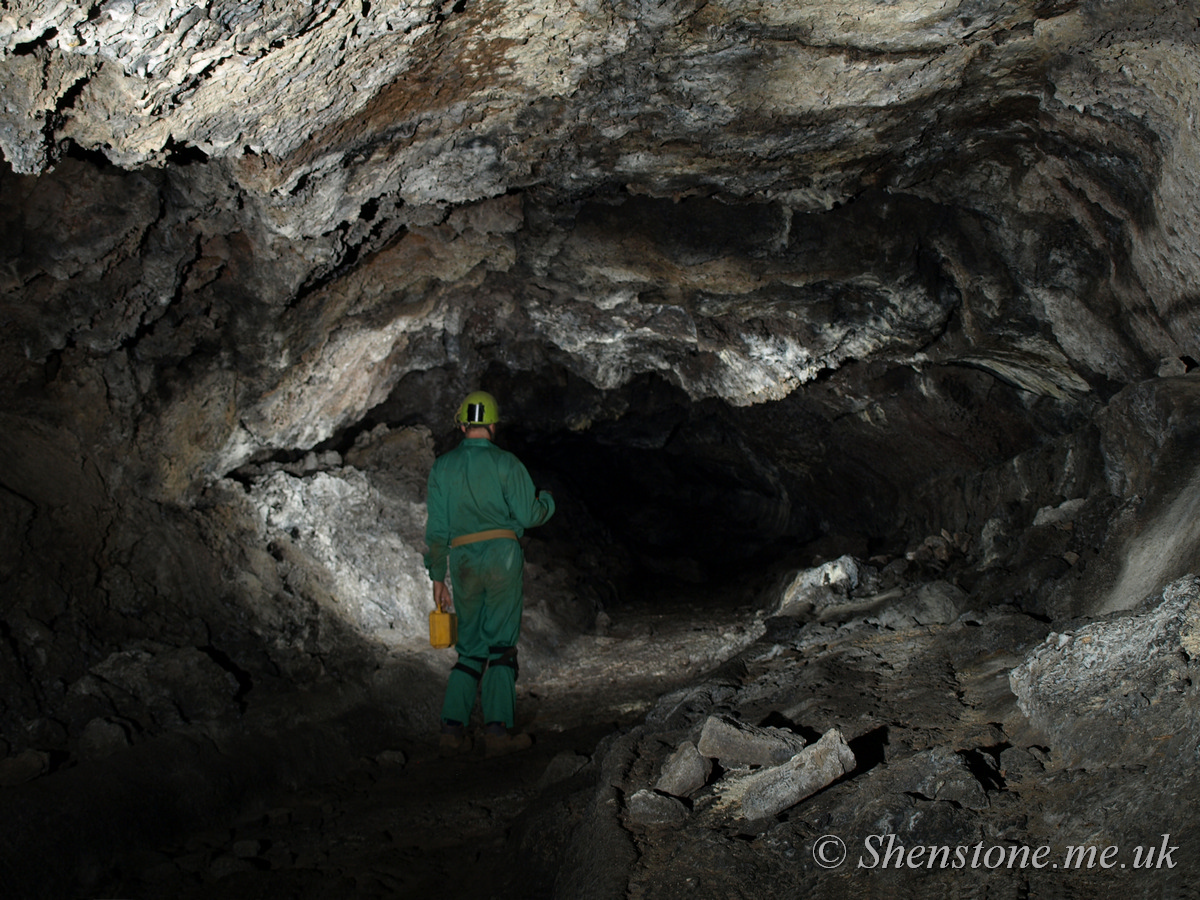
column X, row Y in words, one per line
column 478, row 415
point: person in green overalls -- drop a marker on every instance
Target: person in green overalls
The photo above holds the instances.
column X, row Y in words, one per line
column 481, row 499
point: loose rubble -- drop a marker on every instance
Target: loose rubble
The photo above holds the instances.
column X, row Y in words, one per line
column 901, row 739
column 734, row 743
column 775, row 788
column 924, row 752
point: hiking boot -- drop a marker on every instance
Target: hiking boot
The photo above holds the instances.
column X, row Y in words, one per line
column 454, row 743
column 504, row 744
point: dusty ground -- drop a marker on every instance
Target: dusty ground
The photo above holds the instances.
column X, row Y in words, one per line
column 410, row 824
column 944, row 757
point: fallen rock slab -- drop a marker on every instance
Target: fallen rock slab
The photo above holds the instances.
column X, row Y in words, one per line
column 653, row 809
column 684, row 772
column 735, row 743
column 769, row 791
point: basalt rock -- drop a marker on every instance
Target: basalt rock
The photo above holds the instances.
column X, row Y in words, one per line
column 684, row 771
column 735, row 743
column 1122, row 690
column 760, row 287
column 773, row 789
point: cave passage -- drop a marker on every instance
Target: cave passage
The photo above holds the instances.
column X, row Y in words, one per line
column 669, row 493
column 674, row 488
column 857, row 342
column 653, row 488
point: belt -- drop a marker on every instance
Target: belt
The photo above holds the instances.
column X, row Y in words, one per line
column 482, row 536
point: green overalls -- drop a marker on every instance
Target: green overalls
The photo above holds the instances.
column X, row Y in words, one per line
column 479, row 487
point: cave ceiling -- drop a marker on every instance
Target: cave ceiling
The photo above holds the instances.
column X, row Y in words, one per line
column 877, row 238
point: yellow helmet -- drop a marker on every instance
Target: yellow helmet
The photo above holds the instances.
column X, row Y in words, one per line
column 479, row 408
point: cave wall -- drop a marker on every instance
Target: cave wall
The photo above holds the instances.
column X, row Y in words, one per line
column 881, row 270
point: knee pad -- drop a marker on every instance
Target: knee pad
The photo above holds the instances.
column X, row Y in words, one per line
column 477, row 674
column 504, row 656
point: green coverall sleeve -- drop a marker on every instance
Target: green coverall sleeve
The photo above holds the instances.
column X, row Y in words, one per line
column 437, row 527
column 527, row 506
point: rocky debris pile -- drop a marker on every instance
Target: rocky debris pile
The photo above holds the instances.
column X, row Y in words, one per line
column 922, row 745
column 765, row 771
column 820, row 587
column 847, row 755
column 847, row 586
column 760, row 793
column 733, row 743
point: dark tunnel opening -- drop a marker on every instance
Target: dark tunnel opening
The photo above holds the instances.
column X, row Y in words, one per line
column 660, row 493
column 653, row 489
column 675, row 486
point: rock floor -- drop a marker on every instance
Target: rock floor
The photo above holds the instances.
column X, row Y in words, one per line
column 945, row 762
column 410, row 824
column 944, row 758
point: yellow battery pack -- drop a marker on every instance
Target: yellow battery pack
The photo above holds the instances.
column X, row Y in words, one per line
column 443, row 629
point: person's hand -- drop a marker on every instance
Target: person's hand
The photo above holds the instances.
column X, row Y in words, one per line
column 441, row 596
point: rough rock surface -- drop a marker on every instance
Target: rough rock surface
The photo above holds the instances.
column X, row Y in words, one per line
column 762, row 286
column 819, row 587
column 684, row 771
column 1120, row 690
column 734, row 743
column 772, row 789
column 651, row 808
column 945, row 762
column 365, row 540
column 950, row 779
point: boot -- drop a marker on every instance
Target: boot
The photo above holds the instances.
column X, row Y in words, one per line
column 453, row 741
column 498, row 742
